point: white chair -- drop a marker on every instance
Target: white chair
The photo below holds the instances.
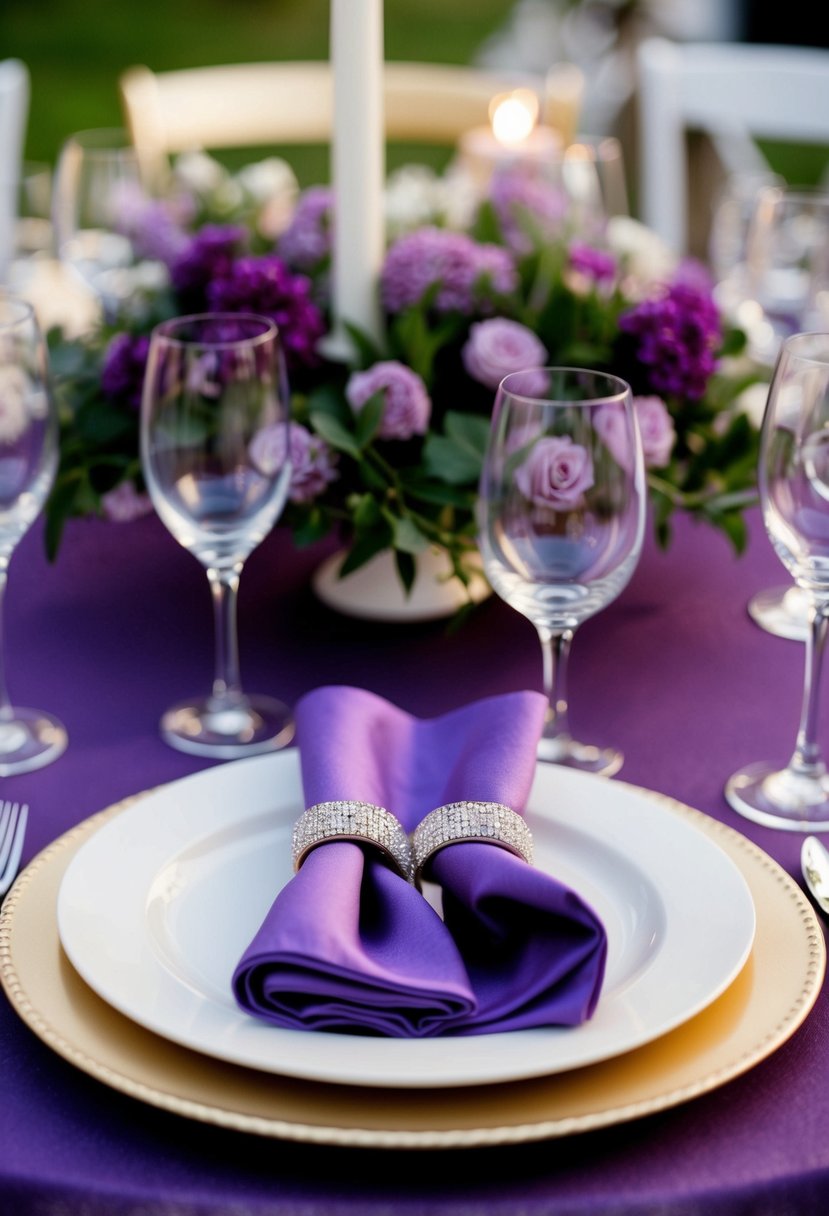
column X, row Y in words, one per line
column 262, row 104
column 734, row 92
column 14, row 114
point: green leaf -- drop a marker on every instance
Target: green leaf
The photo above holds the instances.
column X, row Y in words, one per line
column 368, row 351
column 364, row 548
column 407, row 537
column 446, row 460
column 406, row 569
column 334, row 433
column 368, row 418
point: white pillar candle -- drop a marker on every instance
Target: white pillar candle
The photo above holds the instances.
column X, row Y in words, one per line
column 357, row 168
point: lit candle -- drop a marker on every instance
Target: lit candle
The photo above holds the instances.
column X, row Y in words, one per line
column 513, row 138
column 357, row 168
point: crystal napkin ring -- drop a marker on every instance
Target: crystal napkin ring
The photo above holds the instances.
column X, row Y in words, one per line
column 361, row 822
column 486, row 821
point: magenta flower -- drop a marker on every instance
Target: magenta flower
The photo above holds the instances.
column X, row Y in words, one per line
column 122, row 374
column 499, row 346
column 594, row 264
column 312, row 461
column 407, row 407
column 528, row 207
column 209, row 254
column 556, row 473
column 470, row 277
column 306, row 242
column 266, row 286
column 676, row 337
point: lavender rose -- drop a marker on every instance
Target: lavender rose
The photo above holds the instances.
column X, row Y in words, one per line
column 655, row 426
column 407, row 406
column 499, row 346
column 312, row 461
column 556, row 473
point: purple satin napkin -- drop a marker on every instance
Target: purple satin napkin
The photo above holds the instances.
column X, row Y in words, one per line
column 348, row 945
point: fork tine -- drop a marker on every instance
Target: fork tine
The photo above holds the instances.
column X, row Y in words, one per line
column 11, row 846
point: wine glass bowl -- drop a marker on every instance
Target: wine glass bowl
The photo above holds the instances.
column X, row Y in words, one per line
column 29, row 738
column 214, row 450
column 794, row 491
column 561, row 512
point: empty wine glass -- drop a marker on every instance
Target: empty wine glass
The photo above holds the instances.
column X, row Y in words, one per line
column 101, row 182
column 29, row 738
column 794, row 492
column 561, row 517
column 787, row 292
column 214, row 450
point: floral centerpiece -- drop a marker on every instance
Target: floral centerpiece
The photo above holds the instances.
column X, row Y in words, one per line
column 386, row 449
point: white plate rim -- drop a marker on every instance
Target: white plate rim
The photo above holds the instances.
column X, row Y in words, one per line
column 197, row 805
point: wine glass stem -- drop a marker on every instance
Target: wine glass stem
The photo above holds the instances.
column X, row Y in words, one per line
column 5, row 703
column 224, row 588
column 807, row 758
column 555, row 650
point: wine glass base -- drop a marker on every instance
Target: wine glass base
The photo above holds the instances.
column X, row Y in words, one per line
column 29, row 739
column 604, row 761
column 255, row 725
column 782, row 611
column 779, row 798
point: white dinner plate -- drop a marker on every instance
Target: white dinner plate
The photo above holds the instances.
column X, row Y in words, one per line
column 157, row 907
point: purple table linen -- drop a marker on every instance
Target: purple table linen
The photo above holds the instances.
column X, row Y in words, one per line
column 350, row 945
column 674, row 672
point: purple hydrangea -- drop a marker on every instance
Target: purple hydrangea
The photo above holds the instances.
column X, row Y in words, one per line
column 556, row 473
column 306, row 242
column 209, row 254
column 150, row 224
column 122, row 373
column 498, row 346
column 527, row 207
column 407, row 406
column 266, row 286
column 312, row 461
column 678, row 335
column 595, row 264
column 471, row 277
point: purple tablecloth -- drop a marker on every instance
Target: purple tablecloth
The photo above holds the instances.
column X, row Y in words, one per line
column 675, row 672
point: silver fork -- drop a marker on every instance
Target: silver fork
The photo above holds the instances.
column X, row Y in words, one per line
column 13, row 816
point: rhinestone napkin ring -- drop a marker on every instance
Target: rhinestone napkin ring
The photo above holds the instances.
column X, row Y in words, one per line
column 361, row 822
column 486, row 821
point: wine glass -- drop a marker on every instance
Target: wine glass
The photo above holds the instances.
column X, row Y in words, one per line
column 100, row 184
column 787, row 292
column 29, row 738
column 214, row 451
column 561, row 517
column 794, row 492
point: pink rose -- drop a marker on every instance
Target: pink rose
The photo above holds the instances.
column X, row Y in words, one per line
column 499, row 346
column 312, row 461
column 655, row 426
column 556, row 473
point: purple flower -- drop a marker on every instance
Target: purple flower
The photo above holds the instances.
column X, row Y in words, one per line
column 499, row 346
column 312, row 461
column 407, row 406
column 556, row 473
column 470, row 277
column 528, row 208
column 677, row 338
column 655, row 426
column 306, row 242
column 150, row 225
column 593, row 263
column 124, row 503
column 122, row 373
column 264, row 285
column 210, row 253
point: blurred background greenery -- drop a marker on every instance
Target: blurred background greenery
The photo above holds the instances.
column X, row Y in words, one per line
column 75, row 51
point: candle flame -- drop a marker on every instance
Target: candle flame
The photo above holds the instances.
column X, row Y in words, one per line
column 513, row 116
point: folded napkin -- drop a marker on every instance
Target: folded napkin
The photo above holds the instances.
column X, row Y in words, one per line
column 350, row 945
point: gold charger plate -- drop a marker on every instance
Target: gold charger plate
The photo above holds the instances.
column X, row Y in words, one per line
column 763, row 1007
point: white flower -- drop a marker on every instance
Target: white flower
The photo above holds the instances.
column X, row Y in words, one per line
column 273, row 188
column 645, row 255
column 199, row 172
column 412, row 198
